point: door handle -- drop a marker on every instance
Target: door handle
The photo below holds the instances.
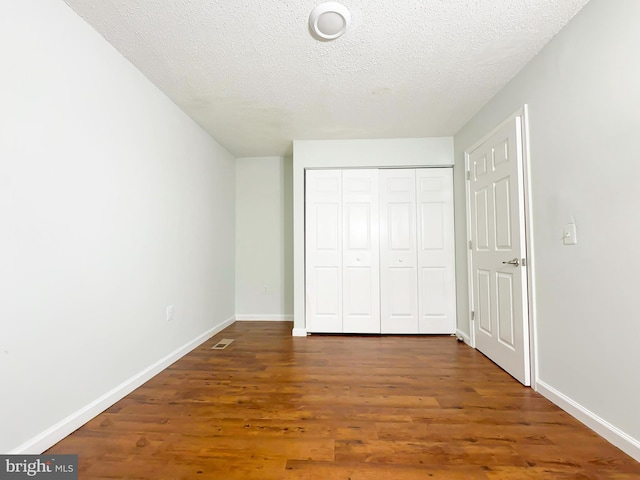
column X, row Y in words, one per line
column 515, row 262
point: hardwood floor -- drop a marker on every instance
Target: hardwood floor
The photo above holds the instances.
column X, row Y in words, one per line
column 270, row 406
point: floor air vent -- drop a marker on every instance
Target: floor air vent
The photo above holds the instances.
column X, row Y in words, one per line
column 222, row 344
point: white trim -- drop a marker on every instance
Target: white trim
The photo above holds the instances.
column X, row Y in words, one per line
column 529, row 253
column 465, row 338
column 617, row 437
column 523, row 113
column 467, row 188
column 260, row 317
column 66, row 426
column 299, row 332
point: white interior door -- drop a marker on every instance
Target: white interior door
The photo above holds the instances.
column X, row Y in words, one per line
column 499, row 296
column 398, row 257
column 436, row 250
column 323, row 250
column 360, row 252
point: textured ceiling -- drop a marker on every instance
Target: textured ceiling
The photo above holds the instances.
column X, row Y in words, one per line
column 250, row 73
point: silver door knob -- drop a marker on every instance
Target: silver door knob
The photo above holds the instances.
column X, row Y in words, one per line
column 515, row 262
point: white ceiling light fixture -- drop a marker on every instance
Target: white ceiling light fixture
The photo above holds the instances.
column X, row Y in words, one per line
column 329, row 20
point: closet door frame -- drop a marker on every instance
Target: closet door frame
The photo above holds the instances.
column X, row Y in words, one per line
column 339, row 154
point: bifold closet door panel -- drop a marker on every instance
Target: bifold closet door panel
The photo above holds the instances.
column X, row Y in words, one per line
column 360, row 252
column 323, row 250
column 398, row 252
column 436, row 254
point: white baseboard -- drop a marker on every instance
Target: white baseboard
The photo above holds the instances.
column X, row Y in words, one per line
column 299, row 332
column 259, row 317
column 617, row 437
column 57, row 432
column 465, row 338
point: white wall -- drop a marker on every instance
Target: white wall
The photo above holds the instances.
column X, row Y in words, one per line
column 113, row 205
column 583, row 95
column 402, row 152
column 264, row 229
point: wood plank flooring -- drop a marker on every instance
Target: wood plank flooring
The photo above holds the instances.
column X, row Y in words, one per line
column 271, row 406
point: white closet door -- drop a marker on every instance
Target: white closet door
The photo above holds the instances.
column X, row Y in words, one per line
column 398, row 258
column 360, row 252
column 436, row 255
column 379, row 251
column 323, row 250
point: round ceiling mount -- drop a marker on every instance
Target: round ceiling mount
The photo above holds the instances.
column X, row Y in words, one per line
column 329, row 20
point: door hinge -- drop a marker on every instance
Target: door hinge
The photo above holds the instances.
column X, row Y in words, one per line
column 470, row 245
column 473, row 315
column 468, row 174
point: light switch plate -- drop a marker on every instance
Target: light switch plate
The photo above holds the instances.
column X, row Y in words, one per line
column 569, row 234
